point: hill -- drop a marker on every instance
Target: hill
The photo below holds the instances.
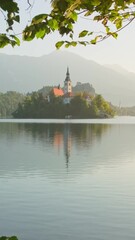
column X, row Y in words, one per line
column 25, row 74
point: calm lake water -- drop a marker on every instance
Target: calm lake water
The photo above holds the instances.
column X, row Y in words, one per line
column 62, row 180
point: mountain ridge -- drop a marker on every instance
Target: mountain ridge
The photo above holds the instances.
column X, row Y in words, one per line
column 26, row 74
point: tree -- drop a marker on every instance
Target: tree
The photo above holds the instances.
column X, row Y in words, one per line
column 111, row 15
column 9, row 102
column 102, row 107
column 8, row 238
column 79, row 107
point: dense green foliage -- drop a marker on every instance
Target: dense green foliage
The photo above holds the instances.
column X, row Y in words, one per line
column 111, row 16
column 36, row 106
column 9, row 103
column 8, row 238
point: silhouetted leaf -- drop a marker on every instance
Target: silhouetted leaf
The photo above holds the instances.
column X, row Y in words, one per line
column 59, row 44
column 83, row 33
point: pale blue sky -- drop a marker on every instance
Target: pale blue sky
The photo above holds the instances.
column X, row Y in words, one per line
column 111, row 51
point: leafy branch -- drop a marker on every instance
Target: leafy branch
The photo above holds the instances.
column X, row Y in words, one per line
column 109, row 14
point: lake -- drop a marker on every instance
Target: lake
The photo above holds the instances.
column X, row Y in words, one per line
column 67, row 179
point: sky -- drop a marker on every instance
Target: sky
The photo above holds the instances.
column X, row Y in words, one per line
column 110, row 51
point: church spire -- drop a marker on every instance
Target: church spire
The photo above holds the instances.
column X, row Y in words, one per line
column 67, row 83
column 68, row 71
column 67, row 75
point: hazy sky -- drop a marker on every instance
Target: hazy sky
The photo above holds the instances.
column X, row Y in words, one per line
column 110, row 51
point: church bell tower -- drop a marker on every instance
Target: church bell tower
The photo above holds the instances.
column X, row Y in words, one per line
column 67, row 84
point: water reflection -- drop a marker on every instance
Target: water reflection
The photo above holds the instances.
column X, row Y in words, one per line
column 67, row 181
column 27, row 147
column 57, row 135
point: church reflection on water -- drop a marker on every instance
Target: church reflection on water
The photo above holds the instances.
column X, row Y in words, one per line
column 63, row 137
column 83, row 136
column 67, row 143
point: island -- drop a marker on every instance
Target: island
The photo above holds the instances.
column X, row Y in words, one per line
column 80, row 102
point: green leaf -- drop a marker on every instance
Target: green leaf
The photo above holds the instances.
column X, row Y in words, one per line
column 94, row 41
column 88, row 13
column 59, row 44
column 4, row 40
column 67, row 45
column 118, row 23
column 73, row 43
column 71, row 35
column 114, row 34
column 107, row 29
column 104, row 22
column 17, row 18
column 30, row 32
column 82, row 43
column 98, row 18
column 39, row 18
column 70, row 26
column 9, row 6
column 120, row 3
column 95, row 2
column 28, row 36
column 16, row 39
column 53, row 24
column 83, row 33
column 90, row 33
column 73, row 16
column 13, row 43
column 40, row 33
column 126, row 15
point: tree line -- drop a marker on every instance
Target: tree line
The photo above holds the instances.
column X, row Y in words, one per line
column 9, row 103
column 35, row 105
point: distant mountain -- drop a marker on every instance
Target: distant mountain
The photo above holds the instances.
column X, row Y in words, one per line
column 117, row 68
column 26, row 74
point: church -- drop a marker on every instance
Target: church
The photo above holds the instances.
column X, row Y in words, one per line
column 66, row 92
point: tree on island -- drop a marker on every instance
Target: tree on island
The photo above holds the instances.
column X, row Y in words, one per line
column 36, row 106
column 110, row 15
column 8, row 238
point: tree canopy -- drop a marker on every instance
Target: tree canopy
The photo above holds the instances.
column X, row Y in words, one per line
column 111, row 15
column 35, row 105
column 9, row 102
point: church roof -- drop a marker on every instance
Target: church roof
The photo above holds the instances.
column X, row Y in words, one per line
column 58, row 92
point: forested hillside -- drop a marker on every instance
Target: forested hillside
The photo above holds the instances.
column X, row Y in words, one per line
column 9, row 102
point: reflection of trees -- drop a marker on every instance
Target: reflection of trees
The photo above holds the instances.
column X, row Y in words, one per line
column 57, row 135
column 85, row 133
column 30, row 147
